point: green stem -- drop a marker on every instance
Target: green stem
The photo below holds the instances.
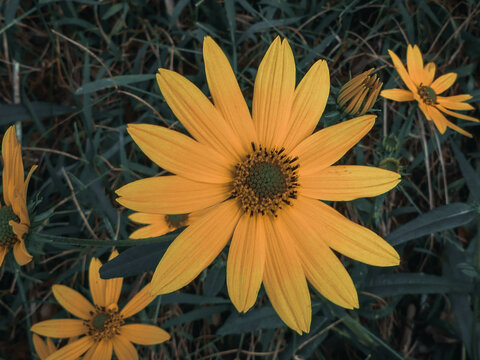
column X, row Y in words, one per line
column 55, row 239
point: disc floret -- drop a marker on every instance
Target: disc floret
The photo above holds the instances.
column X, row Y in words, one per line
column 7, row 236
column 175, row 221
column 427, row 94
column 105, row 322
column 265, row 180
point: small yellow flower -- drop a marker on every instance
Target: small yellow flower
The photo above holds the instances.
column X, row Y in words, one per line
column 102, row 323
column 43, row 349
column 159, row 224
column 259, row 178
column 14, row 220
column 426, row 91
column 358, row 95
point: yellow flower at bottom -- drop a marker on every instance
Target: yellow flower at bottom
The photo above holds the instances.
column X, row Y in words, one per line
column 426, row 91
column 14, row 219
column 259, row 181
column 102, row 324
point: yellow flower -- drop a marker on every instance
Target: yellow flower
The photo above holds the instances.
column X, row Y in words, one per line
column 260, row 178
column 426, row 91
column 354, row 93
column 14, row 220
column 159, row 224
column 43, row 349
column 102, row 323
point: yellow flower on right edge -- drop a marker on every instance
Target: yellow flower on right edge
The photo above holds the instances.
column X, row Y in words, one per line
column 426, row 91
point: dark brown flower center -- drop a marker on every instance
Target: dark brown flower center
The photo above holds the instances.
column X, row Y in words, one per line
column 105, row 323
column 427, row 94
column 265, row 181
column 7, row 236
column 175, row 221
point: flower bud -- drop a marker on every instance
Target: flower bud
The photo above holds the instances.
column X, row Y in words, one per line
column 358, row 95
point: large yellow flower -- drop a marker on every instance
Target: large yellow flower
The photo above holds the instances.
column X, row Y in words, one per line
column 426, row 91
column 102, row 323
column 260, row 177
column 14, row 220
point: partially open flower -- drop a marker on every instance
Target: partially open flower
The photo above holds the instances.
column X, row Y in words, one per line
column 14, row 219
column 359, row 94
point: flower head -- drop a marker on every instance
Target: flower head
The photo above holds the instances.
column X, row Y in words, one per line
column 102, row 326
column 358, row 95
column 259, row 179
column 14, row 219
column 426, row 91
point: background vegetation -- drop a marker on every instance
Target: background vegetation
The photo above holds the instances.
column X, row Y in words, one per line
column 87, row 68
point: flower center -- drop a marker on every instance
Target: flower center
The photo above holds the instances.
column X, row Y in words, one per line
column 7, row 236
column 176, row 221
column 265, row 180
column 427, row 94
column 105, row 322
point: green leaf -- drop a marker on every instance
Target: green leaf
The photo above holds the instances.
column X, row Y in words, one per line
column 196, row 314
column 112, row 82
column 472, row 178
column 19, row 112
column 417, row 283
column 254, row 320
column 134, row 261
column 439, row 219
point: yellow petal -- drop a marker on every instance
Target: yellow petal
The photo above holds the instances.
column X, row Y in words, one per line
column 226, row 93
column 345, row 236
column 321, row 265
column 246, row 261
column 74, row 350
column 22, row 256
column 3, row 252
column 113, row 287
column 428, row 73
column 201, row 119
column 397, row 95
column 424, row 108
column 60, row 328
column 151, row 231
column 348, row 182
column 181, row 155
column 443, row 82
column 51, row 346
column 144, row 334
column 283, row 278
column 273, row 93
column 453, row 105
column 138, row 302
column 328, row 145
column 97, row 285
column 19, row 229
column 171, row 195
column 415, row 64
column 451, row 125
column 455, row 98
column 29, row 176
column 124, row 348
column 457, row 115
column 11, row 158
column 195, row 248
column 309, row 101
column 103, row 351
column 88, row 355
column 72, row 301
column 402, row 71
column 438, row 119
column 40, row 347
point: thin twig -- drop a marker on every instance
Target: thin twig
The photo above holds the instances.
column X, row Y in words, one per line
column 442, row 161
column 74, row 198
column 427, row 160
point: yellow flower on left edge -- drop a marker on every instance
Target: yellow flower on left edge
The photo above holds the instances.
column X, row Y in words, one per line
column 102, row 324
column 14, row 220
